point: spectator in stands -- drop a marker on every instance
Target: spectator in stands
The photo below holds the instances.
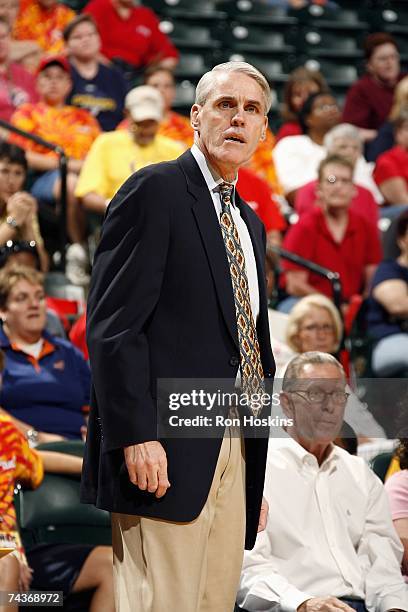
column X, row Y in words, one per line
column 344, row 140
column 385, row 137
column 329, row 543
column 74, row 130
column 70, row 568
column 173, row 125
column 18, row 209
column 391, row 170
column 332, row 236
column 131, row 36
column 369, row 100
column 23, row 253
column 396, row 487
column 256, row 192
column 43, row 21
column 314, row 324
column 388, row 310
column 46, row 381
column 97, row 87
column 17, row 85
column 297, row 157
column 299, row 86
column 116, row 155
column 25, row 52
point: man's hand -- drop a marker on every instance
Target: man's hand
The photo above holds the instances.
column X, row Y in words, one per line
column 22, row 207
column 263, row 517
column 147, row 467
column 324, row 604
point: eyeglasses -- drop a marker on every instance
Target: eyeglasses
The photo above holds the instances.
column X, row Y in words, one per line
column 386, row 58
column 318, row 396
column 315, row 327
column 332, row 179
column 325, row 108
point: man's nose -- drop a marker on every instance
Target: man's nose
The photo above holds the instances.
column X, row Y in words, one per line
column 238, row 117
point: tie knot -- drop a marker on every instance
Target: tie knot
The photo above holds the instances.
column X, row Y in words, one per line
column 226, row 190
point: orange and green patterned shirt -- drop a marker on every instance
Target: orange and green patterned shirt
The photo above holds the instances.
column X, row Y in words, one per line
column 74, row 129
column 18, row 462
column 44, row 25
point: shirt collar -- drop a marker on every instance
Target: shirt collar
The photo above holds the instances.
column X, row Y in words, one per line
column 212, row 179
column 5, row 342
column 296, row 452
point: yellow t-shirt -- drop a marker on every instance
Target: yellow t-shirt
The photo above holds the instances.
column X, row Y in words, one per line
column 114, row 156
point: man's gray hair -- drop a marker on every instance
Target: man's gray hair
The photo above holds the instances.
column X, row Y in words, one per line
column 206, row 83
column 343, row 130
column 296, row 365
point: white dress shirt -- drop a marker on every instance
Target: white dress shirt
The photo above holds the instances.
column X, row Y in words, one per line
column 297, row 159
column 213, row 183
column 329, row 533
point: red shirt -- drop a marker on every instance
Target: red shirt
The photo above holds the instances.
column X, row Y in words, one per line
column 310, row 238
column 363, row 202
column 368, row 103
column 137, row 40
column 256, row 192
column 391, row 164
column 17, row 87
column 290, row 128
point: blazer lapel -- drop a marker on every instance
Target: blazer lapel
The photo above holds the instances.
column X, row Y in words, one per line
column 209, row 228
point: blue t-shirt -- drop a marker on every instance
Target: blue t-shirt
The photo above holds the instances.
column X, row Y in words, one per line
column 103, row 96
column 380, row 322
column 49, row 393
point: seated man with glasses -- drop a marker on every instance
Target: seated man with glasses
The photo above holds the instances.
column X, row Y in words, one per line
column 329, row 544
column 333, row 236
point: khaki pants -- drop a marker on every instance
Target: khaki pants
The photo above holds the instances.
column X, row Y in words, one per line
column 161, row 566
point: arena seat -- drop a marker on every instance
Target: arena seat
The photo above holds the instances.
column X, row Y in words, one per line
column 336, row 73
column 243, row 37
column 187, row 35
column 391, row 17
column 256, row 12
column 331, row 19
column 185, row 96
column 205, row 9
column 316, row 42
column 192, row 65
column 380, row 464
column 52, row 513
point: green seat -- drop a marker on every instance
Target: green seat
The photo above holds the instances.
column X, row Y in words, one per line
column 70, row 447
column 52, row 513
column 380, row 464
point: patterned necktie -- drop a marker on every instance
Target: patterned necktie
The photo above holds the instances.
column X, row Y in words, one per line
column 251, row 366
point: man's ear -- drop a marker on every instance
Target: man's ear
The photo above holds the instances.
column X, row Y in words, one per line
column 195, row 117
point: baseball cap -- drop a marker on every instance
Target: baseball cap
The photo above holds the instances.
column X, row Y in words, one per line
column 54, row 59
column 145, row 102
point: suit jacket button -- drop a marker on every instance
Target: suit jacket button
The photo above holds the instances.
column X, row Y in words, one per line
column 234, row 361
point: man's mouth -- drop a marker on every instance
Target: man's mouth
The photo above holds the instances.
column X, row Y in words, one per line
column 235, row 138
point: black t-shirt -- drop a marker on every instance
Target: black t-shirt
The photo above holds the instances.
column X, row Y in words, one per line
column 103, row 96
column 380, row 322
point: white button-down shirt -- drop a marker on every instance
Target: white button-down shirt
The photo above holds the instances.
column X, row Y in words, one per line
column 213, row 183
column 329, row 533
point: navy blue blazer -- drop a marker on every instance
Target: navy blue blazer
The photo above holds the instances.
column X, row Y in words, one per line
column 161, row 305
